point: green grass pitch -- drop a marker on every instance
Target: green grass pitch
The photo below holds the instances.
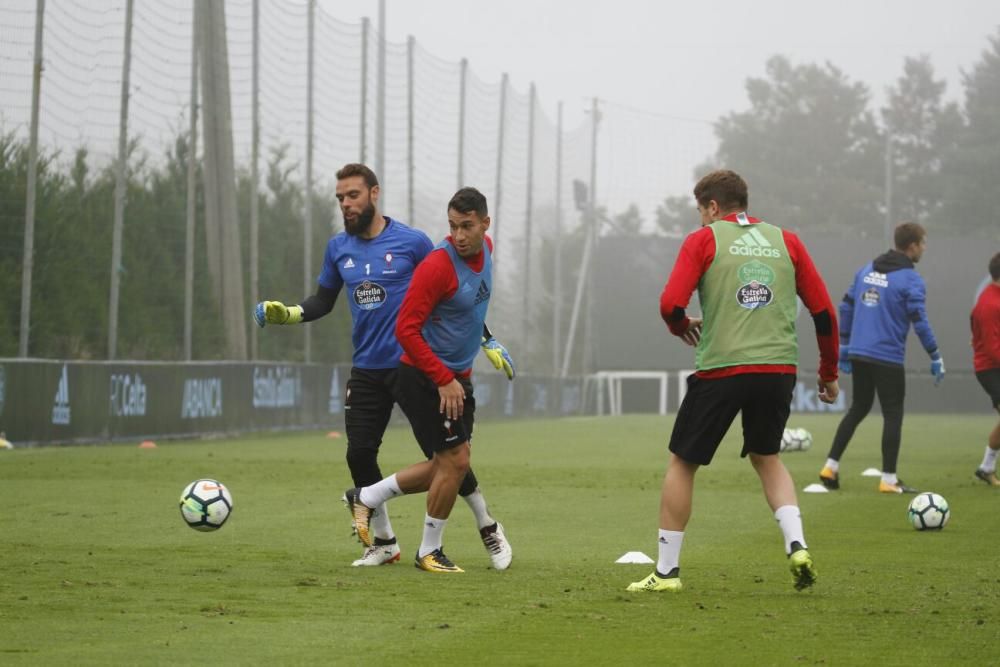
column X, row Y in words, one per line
column 98, row 567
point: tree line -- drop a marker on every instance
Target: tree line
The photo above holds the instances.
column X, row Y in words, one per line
column 818, row 157
column 72, row 259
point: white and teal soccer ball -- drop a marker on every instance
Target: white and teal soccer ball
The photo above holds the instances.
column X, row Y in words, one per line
column 206, row 504
column 796, row 440
column 928, row 511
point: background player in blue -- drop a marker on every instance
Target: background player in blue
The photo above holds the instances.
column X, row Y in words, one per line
column 374, row 258
column 875, row 316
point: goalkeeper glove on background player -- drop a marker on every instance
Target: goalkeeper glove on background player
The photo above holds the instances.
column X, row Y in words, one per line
column 498, row 356
column 937, row 369
column 275, row 312
column 845, row 364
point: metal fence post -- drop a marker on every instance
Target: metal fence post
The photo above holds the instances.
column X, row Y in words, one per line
column 411, row 44
column 255, row 173
column 363, row 149
column 527, row 291
column 887, row 227
column 28, row 254
column 120, row 186
column 307, row 221
column 192, row 193
column 557, row 249
column 498, row 191
column 380, row 96
column 462, row 92
column 592, row 233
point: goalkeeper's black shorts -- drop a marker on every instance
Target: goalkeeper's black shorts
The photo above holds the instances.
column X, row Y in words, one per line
column 371, row 393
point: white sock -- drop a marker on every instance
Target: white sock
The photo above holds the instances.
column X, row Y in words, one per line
column 669, row 546
column 433, row 531
column 989, row 463
column 833, row 465
column 379, row 492
column 790, row 521
column 380, row 525
column 477, row 503
column 890, row 478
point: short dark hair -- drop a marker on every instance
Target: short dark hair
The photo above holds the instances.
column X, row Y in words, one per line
column 908, row 233
column 723, row 186
column 358, row 169
column 995, row 267
column 468, row 200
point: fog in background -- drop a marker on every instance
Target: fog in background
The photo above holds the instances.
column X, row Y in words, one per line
column 844, row 119
column 682, row 63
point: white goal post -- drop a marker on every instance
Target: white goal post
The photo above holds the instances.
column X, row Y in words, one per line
column 611, row 383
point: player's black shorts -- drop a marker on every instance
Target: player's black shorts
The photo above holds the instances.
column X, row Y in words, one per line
column 371, row 393
column 990, row 379
column 710, row 406
column 420, row 400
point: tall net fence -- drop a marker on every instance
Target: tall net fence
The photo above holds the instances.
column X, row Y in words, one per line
column 426, row 125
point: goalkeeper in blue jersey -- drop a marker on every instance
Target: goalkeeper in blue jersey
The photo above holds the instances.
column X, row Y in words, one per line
column 374, row 258
column 887, row 297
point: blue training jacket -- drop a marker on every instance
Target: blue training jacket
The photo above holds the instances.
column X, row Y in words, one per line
column 887, row 295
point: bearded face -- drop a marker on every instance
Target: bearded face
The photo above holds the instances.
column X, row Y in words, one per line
column 358, row 204
column 357, row 223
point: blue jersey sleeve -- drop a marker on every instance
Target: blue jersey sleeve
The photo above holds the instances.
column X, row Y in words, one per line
column 330, row 277
column 847, row 310
column 916, row 310
column 422, row 247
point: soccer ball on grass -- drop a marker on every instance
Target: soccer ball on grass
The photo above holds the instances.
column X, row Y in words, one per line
column 928, row 511
column 206, row 504
column 796, row 440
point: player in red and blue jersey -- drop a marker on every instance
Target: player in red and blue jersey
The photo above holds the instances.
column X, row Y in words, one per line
column 373, row 261
column 439, row 328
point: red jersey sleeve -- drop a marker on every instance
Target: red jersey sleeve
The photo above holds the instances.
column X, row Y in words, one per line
column 812, row 290
column 693, row 259
column 434, row 280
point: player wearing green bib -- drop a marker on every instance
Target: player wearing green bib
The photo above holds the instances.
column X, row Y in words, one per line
column 748, row 274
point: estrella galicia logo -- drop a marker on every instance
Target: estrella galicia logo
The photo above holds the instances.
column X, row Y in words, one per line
column 871, row 297
column 754, row 295
column 276, row 387
column 369, row 295
column 755, row 270
column 755, row 291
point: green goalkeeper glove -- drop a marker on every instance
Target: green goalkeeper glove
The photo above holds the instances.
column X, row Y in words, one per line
column 498, row 356
column 275, row 312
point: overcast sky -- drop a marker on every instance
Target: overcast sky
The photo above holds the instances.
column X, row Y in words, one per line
column 665, row 71
column 687, row 59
